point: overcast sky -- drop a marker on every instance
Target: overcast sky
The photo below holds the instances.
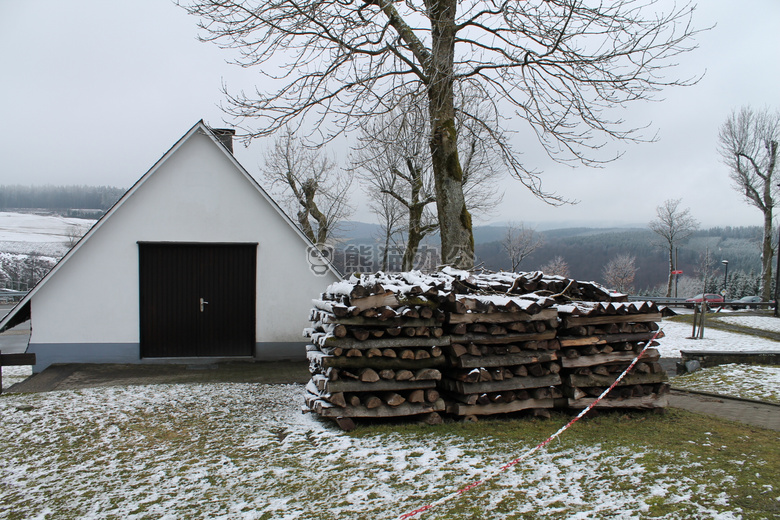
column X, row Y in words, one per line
column 95, row 91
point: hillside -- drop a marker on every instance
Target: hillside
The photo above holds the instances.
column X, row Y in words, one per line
column 588, row 250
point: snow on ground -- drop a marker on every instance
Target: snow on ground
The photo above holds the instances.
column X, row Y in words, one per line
column 244, row 451
column 13, row 375
column 769, row 323
column 24, row 227
column 677, row 336
column 747, row 381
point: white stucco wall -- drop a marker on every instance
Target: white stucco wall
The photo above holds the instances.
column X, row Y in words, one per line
column 196, row 195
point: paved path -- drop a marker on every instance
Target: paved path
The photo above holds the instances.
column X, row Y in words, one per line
column 755, row 413
column 75, row 376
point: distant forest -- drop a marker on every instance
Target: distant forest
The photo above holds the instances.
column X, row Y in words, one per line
column 73, row 199
column 588, row 250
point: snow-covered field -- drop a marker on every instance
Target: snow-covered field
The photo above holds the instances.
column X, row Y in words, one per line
column 28, row 227
column 47, row 235
column 245, row 451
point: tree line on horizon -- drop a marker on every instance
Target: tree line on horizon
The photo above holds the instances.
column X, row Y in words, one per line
column 71, row 197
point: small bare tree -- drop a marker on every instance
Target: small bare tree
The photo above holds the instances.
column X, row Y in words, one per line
column 556, row 267
column 672, row 226
column 393, row 158
column 314, row 189
column 747, row 143
column 519, row 242
column 73, row 235
column 391, row 216
column 619, row 272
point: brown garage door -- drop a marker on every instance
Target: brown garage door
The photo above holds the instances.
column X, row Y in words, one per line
column 197, row 299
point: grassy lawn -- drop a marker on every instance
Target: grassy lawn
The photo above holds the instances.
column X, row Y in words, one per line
column 243, row 450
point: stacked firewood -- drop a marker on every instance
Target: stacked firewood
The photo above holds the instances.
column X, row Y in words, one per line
column 503, row 356
column 408, row 344
column 598, row 341
column 376, row 348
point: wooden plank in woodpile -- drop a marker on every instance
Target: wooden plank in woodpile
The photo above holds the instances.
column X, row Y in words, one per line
column 331, row 387
column 576, row 380
column 575, row 321
column 520, row 358
column 647, row 402
column 516, row 383
column 508, row 338
column 573, row 341
column 374, row 301
column 497, row 408
column 399, row 342
column 377, row 363
column 650, row 354
column 502, row 317
column 402, row 410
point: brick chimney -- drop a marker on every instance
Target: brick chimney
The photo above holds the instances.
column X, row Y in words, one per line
column 225, row 136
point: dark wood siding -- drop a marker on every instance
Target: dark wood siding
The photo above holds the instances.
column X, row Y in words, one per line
column 173, row 280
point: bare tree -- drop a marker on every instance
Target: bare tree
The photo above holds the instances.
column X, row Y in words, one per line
column 391, row 216
column 519, row 242
column 74, row 234
column 672, row 225
column 315, row 189
column 619, row 272
column 747, row 143
column 392, row 158
column 556, row 267
column 562, row 66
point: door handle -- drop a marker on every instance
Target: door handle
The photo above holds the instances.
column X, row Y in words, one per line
column 203, row 303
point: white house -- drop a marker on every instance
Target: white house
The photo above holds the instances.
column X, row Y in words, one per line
column 195, row 262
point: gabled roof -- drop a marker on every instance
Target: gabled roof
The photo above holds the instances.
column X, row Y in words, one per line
column 23, row 308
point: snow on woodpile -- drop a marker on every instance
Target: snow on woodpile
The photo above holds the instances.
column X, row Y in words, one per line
column 465, row 343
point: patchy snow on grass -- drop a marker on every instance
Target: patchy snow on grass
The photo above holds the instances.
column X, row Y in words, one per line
column 739, row 380
column 677, row 337
column 748, row 381
column 15, row 374
column 244, row 451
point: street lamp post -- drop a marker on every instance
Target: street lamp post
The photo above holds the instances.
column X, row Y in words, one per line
column 725, row 278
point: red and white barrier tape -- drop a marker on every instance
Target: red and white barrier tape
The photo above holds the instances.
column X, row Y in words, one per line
column 505, row 467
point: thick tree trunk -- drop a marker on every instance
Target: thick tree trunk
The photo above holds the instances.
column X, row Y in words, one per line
column 671, row 268
column 766, row 257
column 457, row 241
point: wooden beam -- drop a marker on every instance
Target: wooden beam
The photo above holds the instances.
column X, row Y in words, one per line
column 650, row 354
column 494, row 408
column 501, row 317
column 646, row 402
column 515, row 383
column 383, row 385
column 526, row 357
column 575, row 341
column 488, row 339
column 576, row 321
column 8, row 360
column 377, row 363
column 605, row 381
column 405, row 409
column 398, row 342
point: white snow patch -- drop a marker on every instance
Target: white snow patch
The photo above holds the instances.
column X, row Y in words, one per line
column 677, row 337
